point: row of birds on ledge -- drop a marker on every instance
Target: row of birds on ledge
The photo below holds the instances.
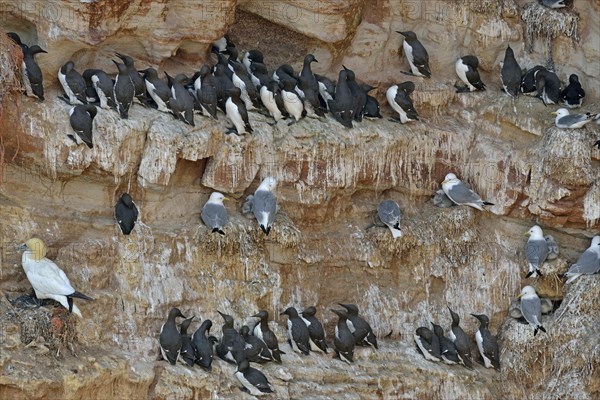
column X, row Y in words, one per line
column 259, row 344
column 236, row 87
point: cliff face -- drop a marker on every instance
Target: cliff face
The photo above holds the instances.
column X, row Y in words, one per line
column 330, row 181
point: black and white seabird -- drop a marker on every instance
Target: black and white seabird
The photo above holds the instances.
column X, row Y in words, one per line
column 311, row 102
column 291, row 99
column 136, row 79
column 123, row 91
column 372, row 105
column 262, row 331
column 298, row 335
column 237, row 113
column 315, row 330
column 398, row 97
column 428, row 343
column 81, row 118
column 126, row 213
column 250, row 57
column 447, row 348
column 187, row 354
column 510, row 73
column 343, row 341
column 264, row 205
column 231, row 346
column 361, row 330
column 308, row 86
column 461, row 341
column 272, row 98
column 343, row 106
column 528, row 80
column 307, row 73
column 417, row 56
column 224, row 85
column 157, row 89
column 203, row 346
column 73, row 83
column 284, row 71
column 573, row 94
column 531, row 308
column 466, row 69
column 181, row 102
column 248, row 91
column 547, row 86
column 254, row 381
column 360, row 97
column 536, row 250
column 103, row 86
column 206, row 91
column 260, row 74
column 170, row 338
column 33, row 79
column 486, row 343
column 326, row 90
column 256, row 350
column 227, row 67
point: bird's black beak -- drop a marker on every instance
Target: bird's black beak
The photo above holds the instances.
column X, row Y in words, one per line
column 22, row 247
column 121, row 56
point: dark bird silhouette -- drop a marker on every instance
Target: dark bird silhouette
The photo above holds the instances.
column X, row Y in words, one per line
column 81, row 118
column 298, row 336
column 170, row 338
column 361, row 330
column 203, row 346
column 343, row 341
column 262, row 331
column 126, row 213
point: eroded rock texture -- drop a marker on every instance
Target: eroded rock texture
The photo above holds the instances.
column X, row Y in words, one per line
column 330, row 182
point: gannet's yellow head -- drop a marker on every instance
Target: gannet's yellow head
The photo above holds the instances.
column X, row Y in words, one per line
column 38, row 248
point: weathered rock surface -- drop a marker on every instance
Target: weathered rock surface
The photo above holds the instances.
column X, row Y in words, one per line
column 330, row 182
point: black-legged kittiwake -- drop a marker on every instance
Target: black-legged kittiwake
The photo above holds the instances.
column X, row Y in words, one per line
column 264, row 206
column 564, row 120
column 460, row 194
column 587, row 263
column 214, row 213
column 531, row 308
column 536, row 250
column 389, row 213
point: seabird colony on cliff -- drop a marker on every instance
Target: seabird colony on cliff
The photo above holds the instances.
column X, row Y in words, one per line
column 236, row 85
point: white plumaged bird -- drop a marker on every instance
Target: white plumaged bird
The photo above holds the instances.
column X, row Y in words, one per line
column 46, row 278
column 565, row 120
